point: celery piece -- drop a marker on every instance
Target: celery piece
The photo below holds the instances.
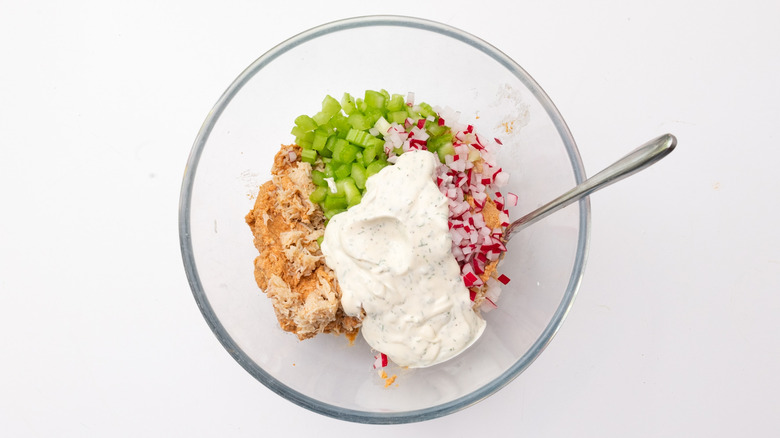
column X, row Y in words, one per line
column 375, row 167
column 374, row 99
column 309, row 156
column 348, row 104
column 334, row 202
column 372, row 115
column 369, row 154
column 395, row 103
column 321, row 118
column 435, row 142
column 330, row 105
column 297, row 131
column 306, row 123
column 358, row 121
column 320, row 138
column 329, row 170
column 382, row 125
column 360, row 138
column 331, row 142
column 344, row 151
column 375, row 142
column 318, row 178
column 426, row 110
column 318, row 195
column 350, row 190
column 353, row 194
column 361, row 105
column 325, row 153
column 397, row 116
column 343, row 171
column 359, row 175
column 434, row 129
column 340, row 123
column 332, row 212
column 444, row 150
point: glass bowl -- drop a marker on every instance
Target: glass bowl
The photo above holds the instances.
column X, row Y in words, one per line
column 443, row 66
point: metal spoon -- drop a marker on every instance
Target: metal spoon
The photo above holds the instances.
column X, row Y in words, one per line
column 638, row 159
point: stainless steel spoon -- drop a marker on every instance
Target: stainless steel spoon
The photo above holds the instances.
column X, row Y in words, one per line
column 638, row 159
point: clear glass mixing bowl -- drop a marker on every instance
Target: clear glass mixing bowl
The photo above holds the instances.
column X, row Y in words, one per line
column 232, row 156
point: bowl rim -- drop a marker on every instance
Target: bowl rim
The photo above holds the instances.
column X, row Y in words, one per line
column 264, row 377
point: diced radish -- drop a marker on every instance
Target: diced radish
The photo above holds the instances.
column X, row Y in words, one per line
column 380, row 361
column 503, row 279
column 511, row 199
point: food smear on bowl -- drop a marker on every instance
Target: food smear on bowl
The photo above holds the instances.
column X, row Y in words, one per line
column 337, row 153
column 392, row 255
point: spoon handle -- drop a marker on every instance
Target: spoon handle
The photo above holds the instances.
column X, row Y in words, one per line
column 638, row 159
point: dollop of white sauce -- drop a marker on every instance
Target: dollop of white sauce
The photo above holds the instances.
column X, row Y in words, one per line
column 393, row 259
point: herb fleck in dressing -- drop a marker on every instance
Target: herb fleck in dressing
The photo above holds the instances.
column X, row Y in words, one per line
column 393, row 259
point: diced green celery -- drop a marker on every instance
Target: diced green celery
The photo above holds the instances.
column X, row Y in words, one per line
column 318, row 195
column 344, row 151
column 382, row 125
column 385, row 93
column 297, row 131
column 375, row 142
column 434, row 129
column 398, row 151
column 410, row 112
column 348, row 104
column 372, row 115
column 318, row 178
column 320, row 138
column 395, row 103
column 397, row 116
column 330, row 105
column 332, row 212
column 361, row 105
column 343, row 171
column 374, row 99
column 359, row 175
column 353, row 195
column 329, row 170
column 309, row 155
column 320, row 239
column 334, row 202
column 358, row 121
column 331, row 143
column 340, row 123
column 375, row 167
column 321, row 118
column 435, row 142
column 326, row 153
column 444, row 150
column 306, row 123
column 360, row 138
column 369, row 154
column 426, row 110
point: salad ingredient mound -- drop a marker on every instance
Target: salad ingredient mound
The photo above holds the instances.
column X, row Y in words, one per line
column 337, row 152
column 392, row 255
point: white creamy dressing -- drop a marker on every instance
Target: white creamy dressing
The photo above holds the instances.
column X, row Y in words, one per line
column 392, row 257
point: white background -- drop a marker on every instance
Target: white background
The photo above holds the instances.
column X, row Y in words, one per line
column 674, row 331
